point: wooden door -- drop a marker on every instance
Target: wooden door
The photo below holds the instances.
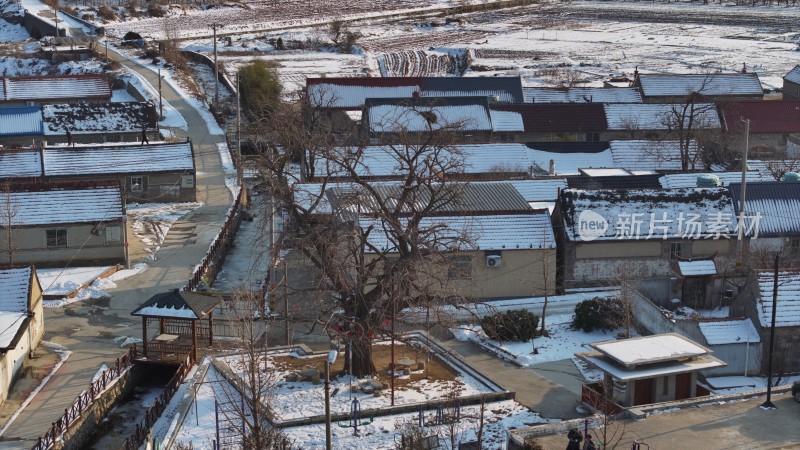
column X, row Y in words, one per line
column 643, row 391
column 683, row 386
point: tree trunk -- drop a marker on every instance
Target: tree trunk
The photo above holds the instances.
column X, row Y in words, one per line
column 361, row 356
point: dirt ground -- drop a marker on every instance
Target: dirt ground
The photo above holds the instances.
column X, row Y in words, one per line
column 436, row 370
column 43, row 362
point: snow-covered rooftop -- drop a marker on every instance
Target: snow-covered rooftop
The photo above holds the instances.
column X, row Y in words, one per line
column 777, row 203
column 793, row 75
column 50, row 206
column 649, row 155
column 88, row 118
column 485, row 232
column 118, row 159
column 15, row 284
column 21, row 121
column 459, row 116
column 650, row 349
column 581, row 95
column 569, row 163
column 605, row 172
column 10, row 323
column 651, row 370
column 20, row 163
column 383, row 161
column 717, row 84
column 788, row 309
column 687, row 180
column 506, row 120
column 658, row 116
column 697, row 268
column 52, row 87
column 736, row 331
column 640, row 214
column 329, row 95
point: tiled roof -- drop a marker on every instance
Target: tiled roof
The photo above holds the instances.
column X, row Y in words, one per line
column 21, row 121
column 506, row 120
column 581, row 95
column 15, row 284
column 559, row 117
column 687, row 180
column 614, row 182
column 351, row 93
column 649, row 155
column 717, row 84
column 778, row 203
column 568, row 163
column 793, row 75
column 382, row 161
column 20, row 163
column 179, row 304
column 88, row 118
column 647, row 214
column 49, row 205
column 484, row 232
column 496, row 197
column 118, row 159
column 657, row 116
column 417, row 114
column 537, row 190
column 764, row 116
column 787, row 312
column 52, row 87
column 726, row 331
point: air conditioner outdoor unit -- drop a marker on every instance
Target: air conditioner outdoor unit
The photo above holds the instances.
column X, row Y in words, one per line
column 494, row 261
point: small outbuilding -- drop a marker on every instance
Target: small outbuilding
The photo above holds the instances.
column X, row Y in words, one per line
column 645, row 370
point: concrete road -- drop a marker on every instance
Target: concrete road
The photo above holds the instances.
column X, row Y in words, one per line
column 88, row 328
column 734, row 425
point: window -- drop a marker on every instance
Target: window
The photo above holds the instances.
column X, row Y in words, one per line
column 187, row 181
column 460, row 268
column 137, row 184
column 113, row 234
column 57, row 238
column 675, row 250
column 794, row 248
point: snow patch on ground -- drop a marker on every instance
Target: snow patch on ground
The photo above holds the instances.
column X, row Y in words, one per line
column 63, row 281
column 740, row 384
column 126, row 341
column 152, row 221
column 562, row 343
column 97, row 289
column 230, row 170
column 10, row 32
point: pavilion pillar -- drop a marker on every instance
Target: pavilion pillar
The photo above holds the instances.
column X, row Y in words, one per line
column 211, row 328
column 194, row 340
column 144, row 335
column 161, row 325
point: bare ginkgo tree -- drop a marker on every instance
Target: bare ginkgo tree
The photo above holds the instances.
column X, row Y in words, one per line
column 9, row 209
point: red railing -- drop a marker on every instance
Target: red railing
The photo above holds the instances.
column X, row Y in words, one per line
column 221, row 242
column 135, row 440
column 82, row 403
column 593, row 396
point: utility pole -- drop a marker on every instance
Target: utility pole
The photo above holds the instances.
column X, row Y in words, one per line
column 239, row 168
column 216, row 69
column 106, row 50
column 742, row 204
column 55, row 9
column 286, row 300
column 768, row 404
column 160, row 98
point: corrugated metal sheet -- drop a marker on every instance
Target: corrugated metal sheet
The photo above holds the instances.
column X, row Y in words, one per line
column 686, row 180
column 57, row 87
column 497, row 96
column 568, row 163
column 581, row 95
column 559, row 117
column 649, row 155
column 337, row 96
column 64, row 206
column 23, row 121
column 118, row 159
column 649, row 181
column 506, row 120
column 788, row 307
column 539, row 190
column 507, row 89
column 15, row 286
column 492, row 232
column 697, row 268
column 393, row 118
column 793, row 75
column 20, row 163
column 778, row 203
column 718, row 84
column 657, row 116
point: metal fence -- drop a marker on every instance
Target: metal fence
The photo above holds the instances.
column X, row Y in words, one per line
column 84, row 401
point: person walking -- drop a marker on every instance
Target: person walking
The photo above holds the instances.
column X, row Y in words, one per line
column 70, row 142
column 589, row 443
column 575, row 437
column 144, row 135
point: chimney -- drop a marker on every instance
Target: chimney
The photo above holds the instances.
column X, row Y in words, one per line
column 552, row 167
column 744, row 67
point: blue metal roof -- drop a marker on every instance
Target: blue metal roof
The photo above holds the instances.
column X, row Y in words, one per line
column 21, row 121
